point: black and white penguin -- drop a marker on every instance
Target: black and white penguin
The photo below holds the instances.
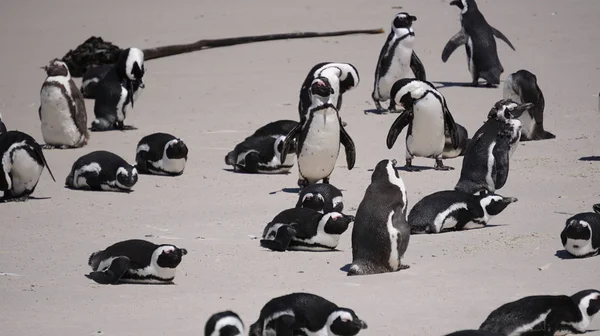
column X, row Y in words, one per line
column 381, row 232
column 261, row 154
column 21, row 164
column 225, row 323
column 102, row 171
column 305, row 314
column 397, row 59
column 62, row 109
column 304, row 229
column 321, row 197
column 463, row 141
column 90, row 79
column 161, row 154
column 275, row 128
column 522, row 87
column 425, row 112
column 545, row 315
column 581, row 235
column 135, row 261
column 319, row 136
column 2, row 126
column 119, row 87
column 478, row 37
column 451, row 209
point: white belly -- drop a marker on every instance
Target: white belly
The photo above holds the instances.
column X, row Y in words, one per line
column 427, row 138
column 321, row 147
column 399, row 68
column 579, row 247
column 25, row 172
column 175, row 166
column 443, row 221
column 58, row 128
column 470, row 62
column 121, row 107
column 394, row 259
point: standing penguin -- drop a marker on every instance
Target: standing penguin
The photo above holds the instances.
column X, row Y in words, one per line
column 2, row 126
column 428, row 118
column 225, row 323
column 102, row 171
column 261, row 154
column 161, row 154
column 478, row 37
column 119, row 87
column 581, row 235
column 135, row 261
column 321, row 197
column 62, row 109
column 319, row 137
column 522, row 87
column 305, row 314
column 381, row 232
column 21, row 163
column 545, row 315
column 397, row 59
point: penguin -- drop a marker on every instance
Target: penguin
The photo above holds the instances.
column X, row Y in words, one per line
column 305, row 314
column 581, row 235
column 275, row 128
column 319, row 136
column 21, row 163
column 225, row 323
column 62, row 109
column 428, row 118
column 135, row 261
column 161, row 154
column 397, row 59
column 478, row 37
column 102, row 171
column 486, row 162
column 2, row 126
column 304, row 229
column 451, row 209
column 545, row 314
column 90, row 79
column 463, row 140
column 381, row 232
column 119, row 87
column 522, row 87
column 261, row 154
column 473, row 333
column 321, row 197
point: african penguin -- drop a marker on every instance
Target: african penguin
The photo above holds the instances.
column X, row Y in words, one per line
column 225, row 323
column 62, row 109
column 478, row 37
column 119, row 87
column 321, row 197
column 319, row 137
column 305, row 314
column 304, row 229
column 2, row 126
column 425, row 112
column 473, row 333
column 275, row 128
column 581, row 235
column 135, row 261
column 261, row 154
column 397, row 59
column 381, row 232
column 451, row 209
column 545, row 314
column 90, row 79
column 522, row 87
column 21, row 163
column 161, row 154
column 463, row 140
column 102, row 171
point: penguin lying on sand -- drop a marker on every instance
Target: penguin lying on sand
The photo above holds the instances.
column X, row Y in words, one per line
column 102, row 171
column 161, row 154
column 261, row 154
column 581, row 235
column 275, row 129
column 225, row 323
column 321, row 197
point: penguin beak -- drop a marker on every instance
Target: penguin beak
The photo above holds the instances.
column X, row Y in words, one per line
column 183, row 251
column 455, row 3
column 362, row 324
column 394, row 162
column 510, row 199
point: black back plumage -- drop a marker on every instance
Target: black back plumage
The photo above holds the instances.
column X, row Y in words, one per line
column 260, row 148
column 305, row 221
column 580, row 232
column 327, row 191
column 32, row 147
column 156, row 145
column 229, row 330
column 93, row 76
column 275, row 128
column 138, row 251
column 423, row 214
column 109, row 163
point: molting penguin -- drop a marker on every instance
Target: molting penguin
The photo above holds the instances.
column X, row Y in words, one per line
column 119, row 87
column 478, row 37
column 321, row 197
column 2, row 126
column 456, row 210
column 545, row 315
column 275, row 128
column 135, row 261
column 21, row 163
column 522, row 87
column 102, row 171
column 261, row 154
column 305, row 314
column 581, row 235
column 304, row 229
column 381, row 232
column 428, row 118
column 397, row 59
column 225, row 323
column 161, row 154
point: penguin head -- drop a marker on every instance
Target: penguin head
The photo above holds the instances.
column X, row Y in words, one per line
column 385, row 171
column 403, row 20
column 126, row 177
column 57, row 68
column 168, row 256
column 313, row 201
column 505, row 109
column 464, row 5
column 176, row 149
column 321, row 87
column 406, row 91
column 130, row 64
column 578, row 229
column 335, row 223
column 344, row 322
column 588, row 302
column 494, row 204
column 349, row 78
column 225, row 323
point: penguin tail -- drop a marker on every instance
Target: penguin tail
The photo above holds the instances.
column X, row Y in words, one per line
column 94, row 260
column 230, row 158
column 355, row 269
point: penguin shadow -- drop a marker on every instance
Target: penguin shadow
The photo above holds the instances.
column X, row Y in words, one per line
column 590, row 158
column 120, row 283
column 123, row 129
column 403, row 168
column 564, row 255
column 101, row 191
column 21, row 200
column 443, row 84
column 378, row 112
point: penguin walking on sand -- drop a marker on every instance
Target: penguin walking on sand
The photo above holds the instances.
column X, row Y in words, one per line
column 21, row 164
column 135, row 261
column 522, row 87
column 381, row 232
column 262, row 155
column 2, row 126
column 225, row 323
column 478, row 37
column 62, row 109
column 581, row 235
column 161, row 154
column 118, row 88
column 545, row 315
column 305, row 314
column 102, row 171
column 321, row 197
column 397, row 59
column 319, row 136
column 425, row 112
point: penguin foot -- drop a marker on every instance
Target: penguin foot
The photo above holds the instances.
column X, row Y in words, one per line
column 378, row 106
column 302, row 183
column 409, row 167
column 403, row 267
column 440, row 166
column 14, row 199
column 47, row 146
column 326, row 180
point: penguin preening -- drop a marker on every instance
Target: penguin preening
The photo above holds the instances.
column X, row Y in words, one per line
column 478, row 37
column 581, row 234
column 225, row 323
column 102, row 171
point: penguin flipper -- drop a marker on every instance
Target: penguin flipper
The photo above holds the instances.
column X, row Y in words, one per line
column 501, row 36
column 289, row 139
column 40, row 153
column 501, row 165
column 113, row 273
column 402, row 121
column 455, row 41
column 417, row 67
column 349, row 147
column 596, row 208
